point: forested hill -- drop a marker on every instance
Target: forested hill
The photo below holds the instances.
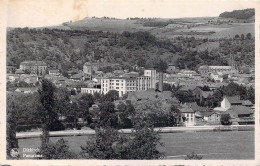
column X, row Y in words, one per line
column 66, row 49
column 239, row 14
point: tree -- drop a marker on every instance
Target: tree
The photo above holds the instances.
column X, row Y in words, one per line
column 166, row 87
column 11, row 139
column 144, row 142
column 102, row 145
column 61, row 104
column 225, row 119
column 161, row 66
column 184, row 96
column 84, row 103
column 111, row 96
column 126, row 112
column 97, row 96
column 248, row 36
column 251, row 94
column 58, row 150
column 205, row 88
column 48, row 116
column 108, row 143
column 107, row 115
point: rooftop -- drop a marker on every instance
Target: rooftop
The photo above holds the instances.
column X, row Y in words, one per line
column 33, row 63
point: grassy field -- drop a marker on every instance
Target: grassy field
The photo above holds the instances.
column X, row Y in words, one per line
column 211, row 145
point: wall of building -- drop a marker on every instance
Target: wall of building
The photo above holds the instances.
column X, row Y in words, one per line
column 90, row 90
column 190, row 119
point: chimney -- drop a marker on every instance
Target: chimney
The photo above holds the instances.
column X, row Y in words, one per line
column 160, row 81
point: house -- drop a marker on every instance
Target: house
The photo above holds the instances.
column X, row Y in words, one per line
column 12, row 77
column 193, row 105
column 19, row 71
column 36, row 67
column 90, row 90
column 10, row 69
column 80, row 77
column 171, row 68
column 31, row 79
column 189, row 114
column 201, row 95
column 188, row 88
column 211, row 116
column 152, row 95
column 240, row 114
column 227, row 102
column 216, row 77
column 247, row 103
column 54, row 72
column 27, row 90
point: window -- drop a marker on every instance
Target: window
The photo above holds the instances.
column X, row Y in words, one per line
column 117, row 83
column 117, row 87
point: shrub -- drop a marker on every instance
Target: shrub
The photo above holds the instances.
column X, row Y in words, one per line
column 225, row 119
column 58, row 150
column 193, row 156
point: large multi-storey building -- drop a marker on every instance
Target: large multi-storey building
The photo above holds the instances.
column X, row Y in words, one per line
column 143, row 83
column 114, row 83
column 152, row 74
column 90, row 67
column 129, row 84
column 35, row 67
column 214, row 69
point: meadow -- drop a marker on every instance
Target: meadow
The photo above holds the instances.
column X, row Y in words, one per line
column 211, row 145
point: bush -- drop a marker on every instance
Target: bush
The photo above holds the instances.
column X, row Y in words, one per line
column 58, row 150
column 193, row 156
column 225, row 119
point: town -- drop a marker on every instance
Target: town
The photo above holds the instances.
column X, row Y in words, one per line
column 133, row 88
column 150, row 85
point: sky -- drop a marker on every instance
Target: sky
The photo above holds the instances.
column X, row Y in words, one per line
column 38, row 13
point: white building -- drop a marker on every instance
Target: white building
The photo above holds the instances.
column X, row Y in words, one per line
column 143, row 83
column 90, row 90
column 189, row 114
column 114, row 83
column 152, row 74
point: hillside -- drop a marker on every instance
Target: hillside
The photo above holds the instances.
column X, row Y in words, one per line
column 72, row 48
column 239, row 14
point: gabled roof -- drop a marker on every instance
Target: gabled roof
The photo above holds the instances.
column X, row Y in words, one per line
column 193, row 105
column 206, row 94
column 31, row 89
column 247, row 102
column 234, row 99
column 240, row 110
column 186, row 110
column 53, row 71
column 80, row 75
column 187, row 88
column 33, row 63
column 207, row 113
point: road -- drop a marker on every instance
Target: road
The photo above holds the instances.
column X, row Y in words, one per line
column 21, row 135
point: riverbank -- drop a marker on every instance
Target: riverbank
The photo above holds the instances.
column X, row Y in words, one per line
column 22, row 135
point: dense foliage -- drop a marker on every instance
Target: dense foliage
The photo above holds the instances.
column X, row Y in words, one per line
column 239, row 14
column 57, row 150
column 225, row 119
column 108, row 143
column 11, row 124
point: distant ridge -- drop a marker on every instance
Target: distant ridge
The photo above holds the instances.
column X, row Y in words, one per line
column 239, row 14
